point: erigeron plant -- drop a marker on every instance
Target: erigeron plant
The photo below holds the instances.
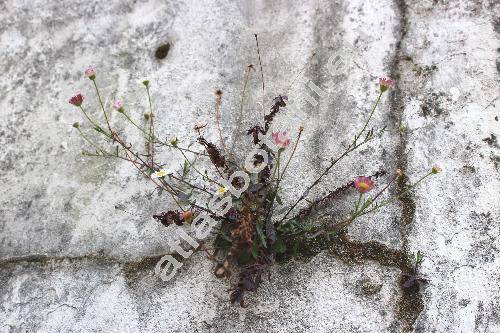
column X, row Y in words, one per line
column 253, row 233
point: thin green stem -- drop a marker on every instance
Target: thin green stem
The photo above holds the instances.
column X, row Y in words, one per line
column 199, row 172
column 96, row 126
column 285, row 168
column 384, row 203
column 354, row 145
column 102, row 105
column 291, row 156
column 277, row 165
column 364, row 212
column 158, row 141
column 91, row 143
column 371, row 115
column 151, row 127
column 135, row 124
column 357, row 204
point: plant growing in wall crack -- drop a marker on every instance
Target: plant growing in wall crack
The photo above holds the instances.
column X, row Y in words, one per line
column 239, row 201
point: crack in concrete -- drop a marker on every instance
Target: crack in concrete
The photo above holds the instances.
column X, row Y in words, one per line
column 96, row 258
column 411, row 302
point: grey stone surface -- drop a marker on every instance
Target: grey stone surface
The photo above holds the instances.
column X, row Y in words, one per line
column 70, row 261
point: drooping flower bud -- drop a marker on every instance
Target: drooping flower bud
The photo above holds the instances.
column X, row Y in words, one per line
column 76, row 100
column 90, row 73
column 386, row 83
column 118, row 106
column 399, row 173
column 436, row 169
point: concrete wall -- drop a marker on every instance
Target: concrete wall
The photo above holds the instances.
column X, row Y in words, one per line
column 78, row 244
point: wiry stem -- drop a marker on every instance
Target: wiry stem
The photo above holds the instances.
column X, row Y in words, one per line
column 354, row 145
column 151, row 128
column 199, row 172
column 102, row 105
column 96, row 126
column 363, row 211
column 247, row 75
column 218, row 103
column 158, row 141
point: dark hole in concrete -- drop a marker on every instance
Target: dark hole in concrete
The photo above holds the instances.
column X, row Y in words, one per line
column 162, row 51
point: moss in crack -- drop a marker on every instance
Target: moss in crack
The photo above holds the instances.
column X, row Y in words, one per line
column 349, row 251
column 355, row 252
column 368, row 287
column 411, row 302
column 133, row 269
column 410, row 305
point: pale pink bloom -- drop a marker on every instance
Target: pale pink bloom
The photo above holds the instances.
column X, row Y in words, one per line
column 281, row 139
column 118, row 106
column 363, row 184
column 90, row 72
column 386, row 83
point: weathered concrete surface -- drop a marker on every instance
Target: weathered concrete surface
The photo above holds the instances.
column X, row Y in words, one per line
column 71, row 261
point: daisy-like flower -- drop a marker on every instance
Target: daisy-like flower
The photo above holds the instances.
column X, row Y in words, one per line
column 386, row 83
column 118, row 106
column 76, row 100
column 90, row 73
column 281, row 139
column 436, row 169
column 221, row 190
column 161, row 173
column 363, row 184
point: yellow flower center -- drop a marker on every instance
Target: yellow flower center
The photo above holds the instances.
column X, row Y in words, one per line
column 363, row 186
column 222, row 190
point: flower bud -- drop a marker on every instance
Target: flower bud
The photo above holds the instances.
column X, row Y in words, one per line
column 386, row 83
column 399, row 173
column 436, row 169
column 90, row 73
column 76, row 100
column 118, row 106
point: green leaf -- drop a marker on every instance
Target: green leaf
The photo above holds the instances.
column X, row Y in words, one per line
column 307, row 227
column 255, row 253
column 419, row 257
column 185, row 168
column 278, row 200
column 262, row 237
column 279, row 246
column 244, row 258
